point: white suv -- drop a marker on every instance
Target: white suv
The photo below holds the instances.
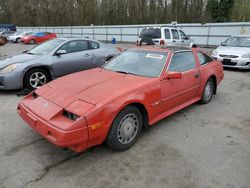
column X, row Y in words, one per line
column 164, row 36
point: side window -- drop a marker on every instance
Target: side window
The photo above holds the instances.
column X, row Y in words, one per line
column 167, row 34
column 182, row 61
column 75, row 46
column 94, row 45
column 203, row 58
column 175, row 34
column 183, row 35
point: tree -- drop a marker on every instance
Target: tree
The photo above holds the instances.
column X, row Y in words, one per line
column 220, row 10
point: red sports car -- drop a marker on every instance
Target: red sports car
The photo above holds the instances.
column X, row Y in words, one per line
column 137, row 88
column 39, row 37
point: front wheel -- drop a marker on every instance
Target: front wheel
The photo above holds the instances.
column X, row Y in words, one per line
column 208, row 91
column 36, row 78
column 125, row 129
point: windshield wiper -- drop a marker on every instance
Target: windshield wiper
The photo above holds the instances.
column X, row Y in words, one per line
column 125, row 72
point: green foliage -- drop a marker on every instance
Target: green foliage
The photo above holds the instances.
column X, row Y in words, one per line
column 110, row 12
column 220, row 10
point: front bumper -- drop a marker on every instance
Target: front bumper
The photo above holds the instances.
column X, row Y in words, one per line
column 240, row 63
column 11, row 81
column 76, row 139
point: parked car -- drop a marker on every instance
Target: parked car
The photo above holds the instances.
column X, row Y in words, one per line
column 6, row 33
column 38, row 37
column 3, row 41
column 164, row 36
column 137, row 88
column 234, row 52
column 16, row 37
column 52, row 59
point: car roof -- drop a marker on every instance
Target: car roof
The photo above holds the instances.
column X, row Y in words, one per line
column 164, row 27
column 164, row 49
column 79, row 38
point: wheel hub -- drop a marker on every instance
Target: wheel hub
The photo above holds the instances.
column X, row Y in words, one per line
column 37, row 79
column 128, row 128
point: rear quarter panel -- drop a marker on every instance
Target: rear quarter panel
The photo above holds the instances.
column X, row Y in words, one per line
column 213, row 68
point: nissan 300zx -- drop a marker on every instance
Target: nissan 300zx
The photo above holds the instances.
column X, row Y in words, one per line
column 111, row 104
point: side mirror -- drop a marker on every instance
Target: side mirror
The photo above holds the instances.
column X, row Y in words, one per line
column 173, row 75
column 60, row 52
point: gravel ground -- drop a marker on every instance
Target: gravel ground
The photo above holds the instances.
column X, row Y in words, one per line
column 202, row 146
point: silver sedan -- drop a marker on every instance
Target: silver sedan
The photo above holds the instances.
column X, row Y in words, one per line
column 234, row 52
column 52, row 59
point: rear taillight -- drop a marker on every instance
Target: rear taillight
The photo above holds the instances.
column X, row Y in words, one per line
column 137, row 43
column 162, row 42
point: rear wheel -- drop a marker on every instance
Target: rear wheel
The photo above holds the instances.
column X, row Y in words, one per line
column 125, row 129
column 18, row 40
column 32, row 41
column 36, row 78
column 208, row 91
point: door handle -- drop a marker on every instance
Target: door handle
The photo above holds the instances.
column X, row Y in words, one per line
column 197, row 75
column 86, row 55
column 174, row 41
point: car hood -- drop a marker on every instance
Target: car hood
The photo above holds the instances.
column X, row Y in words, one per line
column 18, row 59
column 91, row 86
column 230, row 50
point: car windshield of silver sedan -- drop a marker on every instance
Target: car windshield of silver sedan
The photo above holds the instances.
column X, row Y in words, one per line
column 237, row 42
column 46, row 47
column 138, row 62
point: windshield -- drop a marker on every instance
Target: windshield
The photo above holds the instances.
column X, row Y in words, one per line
column 46, row 47
column 237, row 41
column 138, row 62
column 152, row 33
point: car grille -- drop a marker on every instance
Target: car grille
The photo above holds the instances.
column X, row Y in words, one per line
column 228, row 62
column 228, row 56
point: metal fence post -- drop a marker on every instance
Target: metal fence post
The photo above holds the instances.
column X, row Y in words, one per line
column 208, row 34
column 121, row 34
column 106, row 34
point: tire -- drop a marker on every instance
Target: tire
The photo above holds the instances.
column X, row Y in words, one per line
column 125, row 129
column 36, row 78
column 208, row 91
column 18, row 40
column 32, row 41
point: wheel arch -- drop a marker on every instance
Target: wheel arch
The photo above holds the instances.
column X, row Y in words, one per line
column 213, row 77
column 46, row 68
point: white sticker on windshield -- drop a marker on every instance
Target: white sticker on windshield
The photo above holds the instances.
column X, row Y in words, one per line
column 155, row 56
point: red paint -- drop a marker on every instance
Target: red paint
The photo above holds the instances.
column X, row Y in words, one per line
column 38, row 39
column 98, row 95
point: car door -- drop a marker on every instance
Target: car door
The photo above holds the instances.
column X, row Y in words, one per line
column 185, row 41
column 167, row 36
column 176, row 92
column 176, row 40
column 39, row 37
column 75, row 59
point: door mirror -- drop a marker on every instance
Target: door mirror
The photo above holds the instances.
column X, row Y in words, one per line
column 61, row 52
column 173, row 75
